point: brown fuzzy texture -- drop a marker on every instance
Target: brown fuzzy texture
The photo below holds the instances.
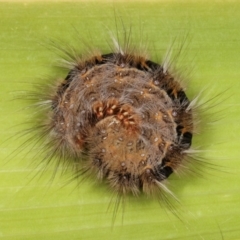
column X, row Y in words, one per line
column 127, row 116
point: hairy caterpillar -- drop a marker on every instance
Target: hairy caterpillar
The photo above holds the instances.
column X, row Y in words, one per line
column 118, row 116
column 127, row 115
column 215, row 67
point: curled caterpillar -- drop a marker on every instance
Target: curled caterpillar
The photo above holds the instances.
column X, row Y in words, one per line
column 121, row 117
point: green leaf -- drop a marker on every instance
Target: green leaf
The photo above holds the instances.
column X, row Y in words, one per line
column 33, row 206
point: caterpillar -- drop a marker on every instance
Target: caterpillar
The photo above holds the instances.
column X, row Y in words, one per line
column 118, row 117
column 83, row 207
column 128, row 115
